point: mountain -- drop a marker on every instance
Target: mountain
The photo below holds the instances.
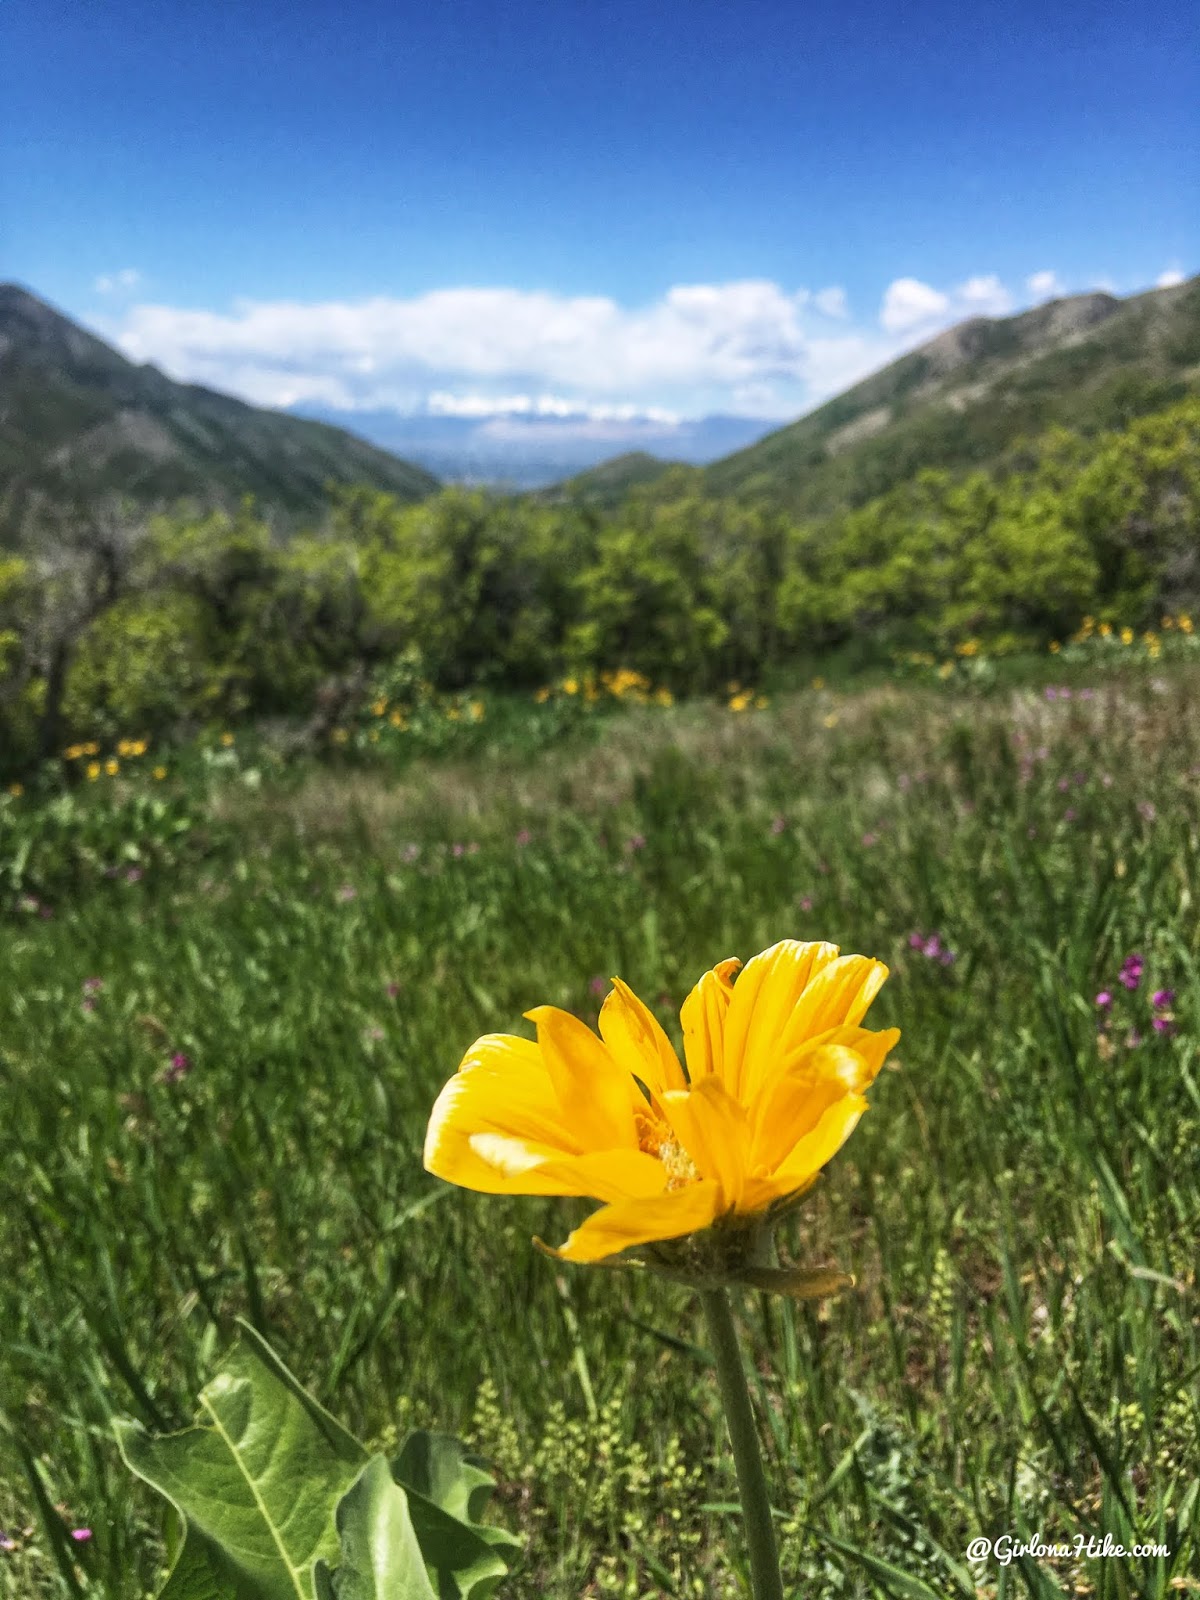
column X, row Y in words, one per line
column 78, row 421
column 528, row 450
column 963, row 400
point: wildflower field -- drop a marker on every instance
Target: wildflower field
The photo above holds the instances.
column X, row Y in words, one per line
column 234, row 983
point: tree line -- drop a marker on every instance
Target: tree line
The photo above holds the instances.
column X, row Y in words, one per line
column 111, row 625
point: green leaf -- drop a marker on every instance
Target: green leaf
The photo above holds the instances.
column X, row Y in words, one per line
column 256, row 1481
column 798, row 1283
column 448, row 1491
column 380, row 1556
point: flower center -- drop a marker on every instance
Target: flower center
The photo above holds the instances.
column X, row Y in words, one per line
column 657, row 1139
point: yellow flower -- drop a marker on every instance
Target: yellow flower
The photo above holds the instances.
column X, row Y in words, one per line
column 1184, row 623
column 112, row 767
column 73, row 752
column 91, row 749
column 397, row 720
column 830, row 721
column 739, row 702
column 159, row 774
column 227, row 740
column 339, row 736
column 818, row 683
column 477, row 710
column 776, row 1068
column 663, row 697
column 1126, row 635
column 137, row 747
column 1055, row 647
column 570, row 686
column 16, row 790
column 761, row 703
column 946, row 669
column 542, row 696
column 1106, row 630
column 93, row 771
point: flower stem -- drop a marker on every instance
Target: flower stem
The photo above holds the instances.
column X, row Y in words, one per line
column 747, row 1457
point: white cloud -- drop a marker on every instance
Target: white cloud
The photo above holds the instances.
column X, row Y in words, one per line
column 750, row 348
column 831, row 302
column 908, row 302
column 1169, row 278
column 127, row 278
column 1044, row 285
column 983, row 296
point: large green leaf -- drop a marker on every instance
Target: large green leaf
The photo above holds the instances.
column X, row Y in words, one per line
column 275, row 1500
column 380, row 1556
column 256, row 1482
column 448, row 1491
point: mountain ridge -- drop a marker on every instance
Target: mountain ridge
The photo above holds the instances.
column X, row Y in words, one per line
column 79, row 421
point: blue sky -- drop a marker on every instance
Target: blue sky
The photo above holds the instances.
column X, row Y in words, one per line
column 590, row 207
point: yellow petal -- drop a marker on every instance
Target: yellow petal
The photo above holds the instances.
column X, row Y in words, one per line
column 596, row 1096
column 522, row 1168
column 630, row 1222
column 842, row 1061
column 764, row 999
column 637, row 1041
column 837, row 996
column 820, row 1146
column 502, row 1087
column 712, row 1128
column 703, row 1019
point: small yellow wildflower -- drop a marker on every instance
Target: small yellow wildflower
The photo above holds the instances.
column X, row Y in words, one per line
column 1126, row 635
column 16, row 790
column 739, row 702
column 91, row 749
column 541, row 696
column 969, row 647
column 761, row 703
column 340, row 736
column 818, row 683
column 1168, row 623
column 453, row 714
column 831, row 721
column 946, row 670
column 159, row 774
column 379, row 707
column 776, row 1068
column 477, row 710
column 1106, row 630
column 373, row 736
column 73, row 752
column 1184, row 623
column 1055, row 647
column 663, row 697
column 112, row 767
column 227, row 740
column 397, row 720
column 570, row 686
column 93, row 771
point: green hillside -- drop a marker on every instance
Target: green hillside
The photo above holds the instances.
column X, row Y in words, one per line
column 962, row 400
column 605, row 486
column 78, row 422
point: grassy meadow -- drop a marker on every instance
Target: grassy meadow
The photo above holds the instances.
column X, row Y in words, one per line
column 225, row 1016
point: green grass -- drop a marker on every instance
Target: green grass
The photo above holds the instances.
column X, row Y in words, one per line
column 1021, row 1205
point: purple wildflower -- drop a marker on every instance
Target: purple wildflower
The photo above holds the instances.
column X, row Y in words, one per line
column 1164, row 1026
column 870, row 839
column 93, row 985
column 391, row 990
column 1162, row 998
column 132, row 875
column 806, row 902
column 598, row 985
column 1070, row 814
column 458, row 849
column 81, row 1535
column 778, row 824
column 1103, row 1000
column 179, row 1067
column 524, row 837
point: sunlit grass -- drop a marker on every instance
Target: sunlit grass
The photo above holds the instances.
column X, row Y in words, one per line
column 1022, row 1350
